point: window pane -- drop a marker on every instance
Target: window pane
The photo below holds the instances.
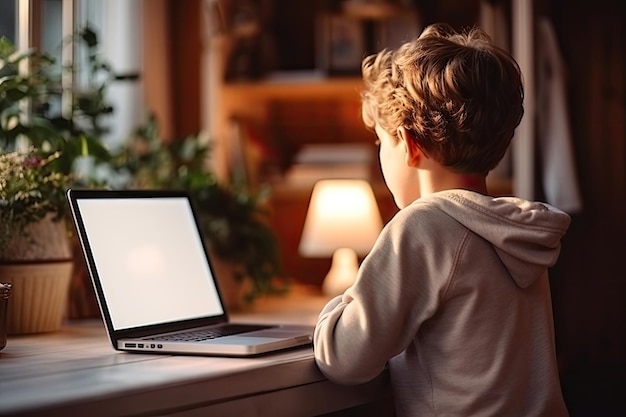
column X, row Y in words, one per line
column 7, row 19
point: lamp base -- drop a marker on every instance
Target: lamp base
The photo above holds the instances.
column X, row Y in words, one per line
column 342, row 272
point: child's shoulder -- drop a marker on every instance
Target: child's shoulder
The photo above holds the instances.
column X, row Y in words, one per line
column 427, row 213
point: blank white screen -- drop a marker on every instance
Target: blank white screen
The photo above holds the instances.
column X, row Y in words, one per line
column 150, row 260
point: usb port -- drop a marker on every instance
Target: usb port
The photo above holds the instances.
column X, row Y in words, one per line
column 130, row 345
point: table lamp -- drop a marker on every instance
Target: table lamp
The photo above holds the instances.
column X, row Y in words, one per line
column 342, row 220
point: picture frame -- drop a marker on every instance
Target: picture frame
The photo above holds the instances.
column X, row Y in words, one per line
column 341, row 44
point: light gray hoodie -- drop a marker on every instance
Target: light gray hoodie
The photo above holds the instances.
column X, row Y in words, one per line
column 454, row 297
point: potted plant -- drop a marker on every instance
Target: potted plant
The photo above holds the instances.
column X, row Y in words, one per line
column 38, row 149
column 233, row 220
column 35, row 251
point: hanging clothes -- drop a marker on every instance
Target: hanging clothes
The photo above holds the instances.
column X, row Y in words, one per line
column 554, row 137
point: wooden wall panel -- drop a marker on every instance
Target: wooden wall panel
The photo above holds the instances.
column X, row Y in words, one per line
column 589, row 282
column 157, row 56
column 185, row 20
column 171, row 55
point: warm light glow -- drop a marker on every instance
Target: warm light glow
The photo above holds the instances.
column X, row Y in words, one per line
column 343, row 220
column 341, row 214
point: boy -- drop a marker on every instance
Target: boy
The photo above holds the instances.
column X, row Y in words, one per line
column 454, row 296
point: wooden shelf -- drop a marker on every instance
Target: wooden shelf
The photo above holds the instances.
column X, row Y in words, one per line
column 375, row 11
column 296, row 88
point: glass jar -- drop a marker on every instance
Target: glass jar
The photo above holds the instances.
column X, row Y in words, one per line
column 5, row 293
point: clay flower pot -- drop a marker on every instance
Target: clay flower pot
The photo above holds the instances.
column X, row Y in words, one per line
column 38, row 265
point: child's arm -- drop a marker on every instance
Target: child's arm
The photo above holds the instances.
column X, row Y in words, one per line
column 378, row 317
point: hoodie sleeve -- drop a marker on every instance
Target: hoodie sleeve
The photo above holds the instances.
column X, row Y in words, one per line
column 377, row 318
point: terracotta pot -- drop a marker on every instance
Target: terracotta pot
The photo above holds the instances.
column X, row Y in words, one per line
column 45, row 240
column 39, row 266
column 38, row 296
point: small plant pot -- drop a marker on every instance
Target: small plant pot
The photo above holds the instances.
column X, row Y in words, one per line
column 38, row 296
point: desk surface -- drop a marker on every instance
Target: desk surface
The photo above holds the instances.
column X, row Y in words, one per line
column 75, row 371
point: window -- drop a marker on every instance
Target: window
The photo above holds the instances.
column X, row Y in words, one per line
column 48, row 24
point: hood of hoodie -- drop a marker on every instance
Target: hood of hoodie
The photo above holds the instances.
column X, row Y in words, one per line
column 526, row 235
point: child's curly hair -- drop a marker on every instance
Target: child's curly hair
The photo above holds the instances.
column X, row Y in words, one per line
column 459, row 96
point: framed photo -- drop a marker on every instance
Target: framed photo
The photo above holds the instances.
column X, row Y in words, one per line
column 341, row 44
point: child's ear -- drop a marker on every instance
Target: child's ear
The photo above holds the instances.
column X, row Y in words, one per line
column 413, row 152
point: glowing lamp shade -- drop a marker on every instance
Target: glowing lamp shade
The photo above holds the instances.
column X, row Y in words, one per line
column 342, row 220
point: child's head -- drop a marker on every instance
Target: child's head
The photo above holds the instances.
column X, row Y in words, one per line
column 458, row 95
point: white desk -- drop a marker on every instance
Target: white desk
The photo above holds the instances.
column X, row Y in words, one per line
column 76, row 372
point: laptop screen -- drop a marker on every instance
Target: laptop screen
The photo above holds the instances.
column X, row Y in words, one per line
column 149, row 259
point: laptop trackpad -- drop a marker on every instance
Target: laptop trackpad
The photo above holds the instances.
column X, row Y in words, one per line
column 253, row 338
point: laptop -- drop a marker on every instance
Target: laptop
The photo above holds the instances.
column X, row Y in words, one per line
column 153, row 278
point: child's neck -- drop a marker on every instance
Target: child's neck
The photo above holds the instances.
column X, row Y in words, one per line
column 474, row 182
column 432, row 181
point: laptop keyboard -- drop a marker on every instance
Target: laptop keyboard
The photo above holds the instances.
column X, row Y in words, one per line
column 212, row 333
